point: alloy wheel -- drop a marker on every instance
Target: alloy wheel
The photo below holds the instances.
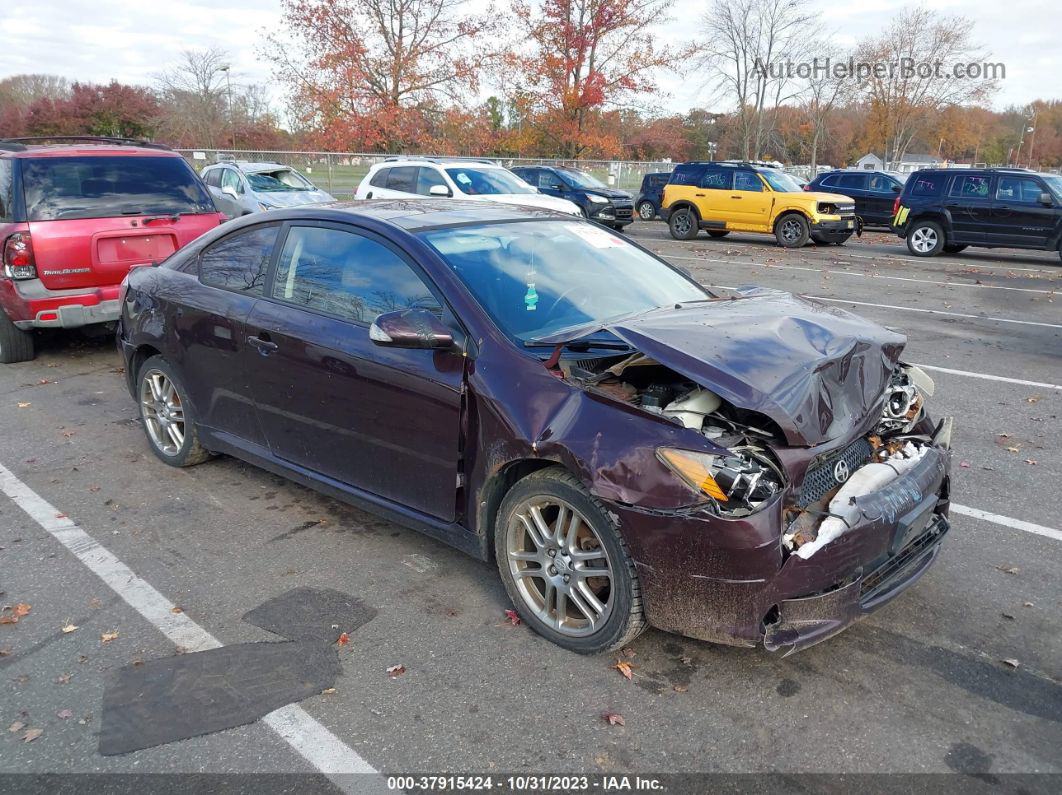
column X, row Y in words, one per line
column 682, row 223
column 162, row 411
column 561, row 570
column 791, row 230
column 646, row 211
column 924, row 239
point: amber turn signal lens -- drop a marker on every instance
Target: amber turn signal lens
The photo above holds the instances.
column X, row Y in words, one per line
column 695, row 469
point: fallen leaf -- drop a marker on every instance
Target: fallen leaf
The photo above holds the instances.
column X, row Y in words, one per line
column 107, row 637
column 1008, row 569
column 1028, row 604
column 624, row 668
column 6, row 619
column 1013, row 449
column 70, row 628
column 343, row 639
column 63, row 714
column 32, row 735
column 395, row 671
column 22, row 609
column 5, row 652
column 1030, row 461
column 964, row 464
column 64, row 679
column 24, row 404
column 1011, row 662
column 1032, row 398
column 680, row 688
column 176, row 609
column 1007, row 615
column 328, row 691
column 613, row 718
column 513, row 616
column 16, row 727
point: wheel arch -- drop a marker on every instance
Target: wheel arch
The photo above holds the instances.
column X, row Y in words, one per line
column 141, row 354
column 941, row 217
column 790, row 211
column 493, row 491
column 684, row 204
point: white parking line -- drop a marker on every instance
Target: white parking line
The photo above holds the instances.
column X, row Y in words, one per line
column 987, row 377
column 309, row 738
column 933, row 311
column 864, row 275
column 1006, row 521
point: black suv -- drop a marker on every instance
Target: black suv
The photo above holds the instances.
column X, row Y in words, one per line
column 874, row 192
column 608, row 206
column 943, row 210
column 651, row 194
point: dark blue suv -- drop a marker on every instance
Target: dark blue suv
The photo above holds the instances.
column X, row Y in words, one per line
column 608, row 206
column 651, row 194
column 874, row 192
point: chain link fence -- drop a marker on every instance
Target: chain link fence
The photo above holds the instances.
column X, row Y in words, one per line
column 339, row 173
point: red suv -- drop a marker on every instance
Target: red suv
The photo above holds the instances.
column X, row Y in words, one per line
column 75, row 215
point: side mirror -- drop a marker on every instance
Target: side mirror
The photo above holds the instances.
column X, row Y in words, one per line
column 897, row 188
column 228, row 190
column 439, row 190
column 410, row 328
column 1046, row 198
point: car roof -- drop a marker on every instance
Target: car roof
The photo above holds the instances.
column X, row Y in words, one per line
column 67, row 145
column 418, row 214
column 433, row 161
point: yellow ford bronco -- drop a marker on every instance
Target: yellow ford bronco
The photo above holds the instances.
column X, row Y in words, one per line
column 724, row 197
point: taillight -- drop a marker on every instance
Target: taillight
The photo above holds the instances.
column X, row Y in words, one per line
column 896, row 206
column 807, row 186
column 18, row 257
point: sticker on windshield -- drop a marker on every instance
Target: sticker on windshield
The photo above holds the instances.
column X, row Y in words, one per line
column 595, row 236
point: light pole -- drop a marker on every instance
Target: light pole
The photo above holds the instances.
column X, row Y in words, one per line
column 228, row 86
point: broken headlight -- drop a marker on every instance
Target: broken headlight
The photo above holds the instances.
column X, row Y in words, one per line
column 739, row 483
column 905, row 398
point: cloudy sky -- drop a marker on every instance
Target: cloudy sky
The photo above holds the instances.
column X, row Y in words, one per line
column 132, row 40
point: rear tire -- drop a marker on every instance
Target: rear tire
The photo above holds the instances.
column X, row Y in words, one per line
column 792, row 230
column 16, row 345
column 646, row 211
column 682, row 224
column 167, row 415
column 718, row 233
column 925, row 239
column 553, row 531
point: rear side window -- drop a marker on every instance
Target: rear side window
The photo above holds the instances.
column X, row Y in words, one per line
column 970, row 187
column 379, row 179
column 403, row 178
column 879, row 183
column 239, row 262
column 347, row 275
column 100, row 186
column 213, row 178
column 7, row 190
column 931, row 184
column 687, row 174
column 829, row 181
column 717, row 179
column 857, row 181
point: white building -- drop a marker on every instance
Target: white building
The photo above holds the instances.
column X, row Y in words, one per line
column 910, row 162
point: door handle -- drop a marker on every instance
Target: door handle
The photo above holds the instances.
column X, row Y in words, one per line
column 699, row 195
column 368, row 195
column 735, row 197
column 263, row 344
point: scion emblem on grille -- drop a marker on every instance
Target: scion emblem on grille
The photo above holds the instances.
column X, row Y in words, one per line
column 840, row 471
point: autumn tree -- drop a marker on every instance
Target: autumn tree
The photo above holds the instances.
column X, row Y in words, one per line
column 821, row 92
column 370, row 74
column 579, row 57
column 904, row 100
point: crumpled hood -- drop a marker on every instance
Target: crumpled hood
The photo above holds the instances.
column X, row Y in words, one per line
column 533, row 200
column 293, row 198
column 815, row 370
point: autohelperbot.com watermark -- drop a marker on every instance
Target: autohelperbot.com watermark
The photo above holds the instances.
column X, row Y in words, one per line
column 853, row 69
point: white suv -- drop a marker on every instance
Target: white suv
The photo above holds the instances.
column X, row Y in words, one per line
column 474, row 180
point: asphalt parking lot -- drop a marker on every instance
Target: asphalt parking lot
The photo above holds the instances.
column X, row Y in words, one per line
column 962, row 674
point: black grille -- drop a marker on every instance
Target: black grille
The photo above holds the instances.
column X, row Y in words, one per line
column 820, row 477
column 879, row 580
column 624, row 209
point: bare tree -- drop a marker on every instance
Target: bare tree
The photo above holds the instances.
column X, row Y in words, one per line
column 194, row 95
column 903, row 100
column 21, row 91
column 748, row 45
column 822, row 91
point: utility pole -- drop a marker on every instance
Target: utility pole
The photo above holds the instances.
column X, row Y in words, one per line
column 228, row 85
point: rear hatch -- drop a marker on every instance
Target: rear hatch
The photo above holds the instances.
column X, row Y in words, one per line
column 94, row 216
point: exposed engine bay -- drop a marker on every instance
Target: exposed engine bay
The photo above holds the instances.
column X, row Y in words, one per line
column 745, row 476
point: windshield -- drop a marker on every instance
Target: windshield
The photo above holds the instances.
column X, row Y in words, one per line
column 535, row 278
column 781, row 182
column 487, row 181
column 98, row 186
column 1054, row 182
column 582, row 180
column 285, row 179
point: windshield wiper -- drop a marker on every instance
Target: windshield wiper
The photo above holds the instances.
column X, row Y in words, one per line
column 580, row 343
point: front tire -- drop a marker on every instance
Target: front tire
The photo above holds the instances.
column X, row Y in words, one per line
column 682, row 224
column 16, row 345
column 792, row 231
column 925, row 239
column 646, row 211
column 565, row 565
column 167, row 415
